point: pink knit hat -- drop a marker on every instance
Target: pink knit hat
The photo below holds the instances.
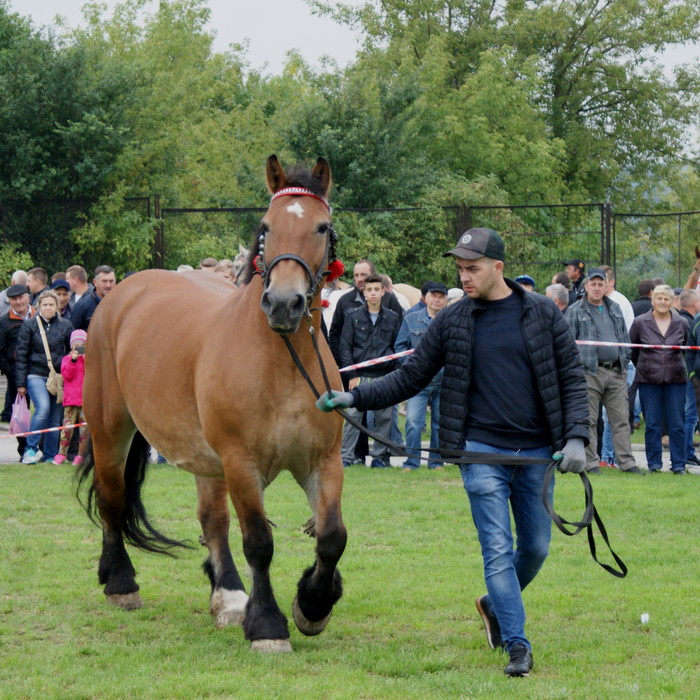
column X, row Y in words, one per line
column 77, row 336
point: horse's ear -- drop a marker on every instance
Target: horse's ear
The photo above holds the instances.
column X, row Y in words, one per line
column 322, row 172
column 276, row 179
column 242, row 250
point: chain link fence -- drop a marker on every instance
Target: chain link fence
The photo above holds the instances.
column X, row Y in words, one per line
column 406, row 241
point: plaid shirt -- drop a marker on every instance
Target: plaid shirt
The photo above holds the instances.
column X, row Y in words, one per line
column 580, row 318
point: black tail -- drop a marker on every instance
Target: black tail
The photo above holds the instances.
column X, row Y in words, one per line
column 135, row 526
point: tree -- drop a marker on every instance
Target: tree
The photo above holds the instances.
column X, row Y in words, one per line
column 60, row 138
column 587, row 72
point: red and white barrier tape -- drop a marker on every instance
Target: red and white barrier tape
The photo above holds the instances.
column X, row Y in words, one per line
column 396, row 355
column 638, row 345
column 45, row 430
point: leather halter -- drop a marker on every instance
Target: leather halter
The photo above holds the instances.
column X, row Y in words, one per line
column 315, row 280
column 299, row 192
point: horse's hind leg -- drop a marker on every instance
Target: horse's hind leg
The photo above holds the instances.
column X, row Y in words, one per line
column 228, row 597
column 320, row 587
column 115, row 571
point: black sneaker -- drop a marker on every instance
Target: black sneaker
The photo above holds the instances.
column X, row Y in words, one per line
column 632, row 470
column 520, row 661
column 694, row 461
column 493, row 630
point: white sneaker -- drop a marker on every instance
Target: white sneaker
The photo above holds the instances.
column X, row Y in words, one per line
column 31, row 456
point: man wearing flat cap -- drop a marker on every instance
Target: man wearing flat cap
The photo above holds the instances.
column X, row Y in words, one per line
column 10, row 324
column 576, row 271
column 512, row 384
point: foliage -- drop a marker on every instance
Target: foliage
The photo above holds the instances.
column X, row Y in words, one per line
column 59, row 124
column 406, row 626
column 528, row 102
column 116, row 234
column 587, row 72
column 11, row 259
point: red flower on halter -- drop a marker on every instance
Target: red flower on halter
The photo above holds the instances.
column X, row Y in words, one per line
column 256, row 264
column 336, row 270
column 325, row 303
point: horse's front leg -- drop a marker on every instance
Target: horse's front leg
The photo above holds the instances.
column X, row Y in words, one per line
column 264, row 624
column 320, row 587
column 228, row 597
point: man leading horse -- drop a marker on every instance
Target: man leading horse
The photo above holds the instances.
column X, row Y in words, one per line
column 513, row 385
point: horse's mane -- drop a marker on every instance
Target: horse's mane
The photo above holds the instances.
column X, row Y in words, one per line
column 297, row 176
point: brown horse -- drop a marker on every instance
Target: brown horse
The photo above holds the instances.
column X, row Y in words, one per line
column 197, row 368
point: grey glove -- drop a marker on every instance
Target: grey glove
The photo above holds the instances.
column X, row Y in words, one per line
column 335, row 399
column 572, row 457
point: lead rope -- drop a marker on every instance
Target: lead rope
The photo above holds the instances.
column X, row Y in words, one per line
column 465, row 457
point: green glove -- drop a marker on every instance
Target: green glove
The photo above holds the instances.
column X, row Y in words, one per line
column 335, row 399
column 572, row 457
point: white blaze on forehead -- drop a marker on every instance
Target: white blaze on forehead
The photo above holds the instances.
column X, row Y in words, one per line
column 297, row 209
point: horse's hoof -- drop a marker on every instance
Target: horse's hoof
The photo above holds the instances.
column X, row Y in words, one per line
column 227, row 607
column 126, row 601
column 307, row 627
column 271, row 646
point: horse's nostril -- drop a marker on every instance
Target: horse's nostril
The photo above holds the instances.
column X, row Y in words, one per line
column 296, row 306
column 265, row 302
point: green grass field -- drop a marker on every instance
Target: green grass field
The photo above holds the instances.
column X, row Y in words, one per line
column 406, row 626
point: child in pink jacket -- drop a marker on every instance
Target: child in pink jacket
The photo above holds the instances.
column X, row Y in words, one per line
column 73, row 372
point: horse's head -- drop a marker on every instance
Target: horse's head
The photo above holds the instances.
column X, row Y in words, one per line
column 294, row 242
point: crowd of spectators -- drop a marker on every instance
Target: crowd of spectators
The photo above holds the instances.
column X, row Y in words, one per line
column 622, row 382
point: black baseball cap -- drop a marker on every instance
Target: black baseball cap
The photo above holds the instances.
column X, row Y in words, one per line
column 596, row 272
column 16, row 290
column 576, row 262
column 61, row 283
column 434, row 287
column 479, row 243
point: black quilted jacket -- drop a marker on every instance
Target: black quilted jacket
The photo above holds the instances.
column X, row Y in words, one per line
column 447, row 343
column 30, row 356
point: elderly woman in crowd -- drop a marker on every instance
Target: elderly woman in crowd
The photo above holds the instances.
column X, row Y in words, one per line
column 661, row 378
column 32, row 371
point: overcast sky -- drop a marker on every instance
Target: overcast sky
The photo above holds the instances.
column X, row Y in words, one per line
column 273, row 27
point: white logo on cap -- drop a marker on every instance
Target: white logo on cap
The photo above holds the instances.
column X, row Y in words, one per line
column 466, row 238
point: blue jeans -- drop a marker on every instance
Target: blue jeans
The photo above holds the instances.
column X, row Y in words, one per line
column 608, row 449
column 691, row 419
column 491, row 490
column 661, row 401
column 415, row 420
column 47, row 414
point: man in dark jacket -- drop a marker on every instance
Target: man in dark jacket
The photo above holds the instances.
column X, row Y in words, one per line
column 576, row 271
column 502, row 349
column 37, row 282
column 642, row 303
column 82, row 312
column 369, row 332
column 689, row 302
column 10, row 324
column 355, row 299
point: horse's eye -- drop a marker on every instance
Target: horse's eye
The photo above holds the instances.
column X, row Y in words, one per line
column 323, row 229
